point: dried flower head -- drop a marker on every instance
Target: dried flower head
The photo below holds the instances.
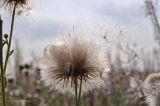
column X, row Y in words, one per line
column 152, row 89
column 72, row 60
column 19, row 2
column 21, row 5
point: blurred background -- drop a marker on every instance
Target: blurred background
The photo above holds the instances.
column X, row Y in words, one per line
column 129, row 27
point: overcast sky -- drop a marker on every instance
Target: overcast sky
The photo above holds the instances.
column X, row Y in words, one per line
column 51, row 18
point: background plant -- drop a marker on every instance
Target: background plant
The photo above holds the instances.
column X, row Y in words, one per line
column 14, row 6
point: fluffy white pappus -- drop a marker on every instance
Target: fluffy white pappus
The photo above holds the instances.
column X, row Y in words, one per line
column 21, row 5
column 152, row 89
column 74, row 59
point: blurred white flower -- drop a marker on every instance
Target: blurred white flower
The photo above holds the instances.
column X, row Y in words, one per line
column 73, row 59
column 21, row 5
column 152, row 89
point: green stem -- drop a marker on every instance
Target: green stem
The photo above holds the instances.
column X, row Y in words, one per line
column 2, row 78
column 78, row 94
column 3, row 86
column 10, row 38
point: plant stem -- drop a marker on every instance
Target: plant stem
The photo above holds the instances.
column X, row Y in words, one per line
column 76, row 93
column 10, row 38
column 80, row 90
column 2, row 78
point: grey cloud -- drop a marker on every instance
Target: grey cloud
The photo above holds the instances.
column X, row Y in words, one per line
column 43, row 29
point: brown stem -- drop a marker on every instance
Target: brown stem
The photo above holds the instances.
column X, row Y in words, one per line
column 80, row 90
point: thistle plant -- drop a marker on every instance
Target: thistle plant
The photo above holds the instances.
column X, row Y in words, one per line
column 74, row 65
column 152, row 89
column 15, row 6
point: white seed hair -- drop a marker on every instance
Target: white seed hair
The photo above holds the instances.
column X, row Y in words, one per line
column 96, row 57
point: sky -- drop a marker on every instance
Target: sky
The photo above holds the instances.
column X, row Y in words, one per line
column 35, row 29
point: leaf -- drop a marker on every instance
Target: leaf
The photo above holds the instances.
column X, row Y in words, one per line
column 11, row 52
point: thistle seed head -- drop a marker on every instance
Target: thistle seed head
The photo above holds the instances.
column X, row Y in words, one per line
column 73, row 59
column 152, row 89
column 21, row 5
